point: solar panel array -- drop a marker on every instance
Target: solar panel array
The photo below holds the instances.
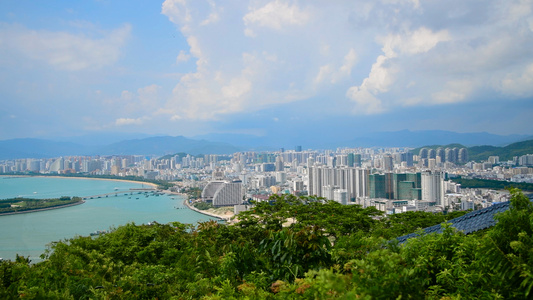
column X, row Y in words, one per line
column 471, row 222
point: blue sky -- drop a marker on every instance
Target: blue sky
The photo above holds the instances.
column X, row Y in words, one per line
column 267, row 68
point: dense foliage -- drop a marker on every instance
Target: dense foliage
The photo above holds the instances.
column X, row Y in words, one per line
column 492, row 184
column 479, row 153
column 203, row 205
column 323, row 251
column 20, row 204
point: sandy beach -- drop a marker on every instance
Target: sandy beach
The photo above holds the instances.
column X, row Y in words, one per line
column 153, row 185
column 223, row 213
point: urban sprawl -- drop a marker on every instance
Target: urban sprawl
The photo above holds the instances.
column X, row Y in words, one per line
column 393, row 180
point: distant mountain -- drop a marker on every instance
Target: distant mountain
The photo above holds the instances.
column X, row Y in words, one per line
column 479, row 153
column 38, row 148
column 403, row 138
column 166, row 145
column 103, row 138
column 230, row 143
column 245, row 141
column 407, row 138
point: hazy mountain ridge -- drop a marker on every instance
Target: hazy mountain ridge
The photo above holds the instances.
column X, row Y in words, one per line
column 407, row 138
column 505, row 153
column 230, row 143
column 402, row 138
column 37, row 148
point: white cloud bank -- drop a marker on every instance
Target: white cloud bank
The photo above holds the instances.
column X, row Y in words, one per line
column 381, row 55
column 62, row 50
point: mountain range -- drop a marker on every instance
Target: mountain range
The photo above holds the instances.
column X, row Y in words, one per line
column 111, row 144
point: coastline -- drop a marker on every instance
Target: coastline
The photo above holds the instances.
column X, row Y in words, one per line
column 42, row 209
column 220, row 217
column 153, row 185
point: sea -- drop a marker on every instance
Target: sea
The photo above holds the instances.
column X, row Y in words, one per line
column 30, row 234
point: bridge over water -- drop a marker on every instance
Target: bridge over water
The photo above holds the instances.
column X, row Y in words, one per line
column 130, row 192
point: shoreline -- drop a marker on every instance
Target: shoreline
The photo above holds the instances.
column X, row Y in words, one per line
column 221, row 218
column 42, row 209
column 153, row 185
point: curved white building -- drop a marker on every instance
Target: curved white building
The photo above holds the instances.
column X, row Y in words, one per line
column 223, row 193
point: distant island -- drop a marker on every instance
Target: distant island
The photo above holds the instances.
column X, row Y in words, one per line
column 25, row 205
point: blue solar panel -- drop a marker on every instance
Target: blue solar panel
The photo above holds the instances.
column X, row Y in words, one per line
column 469, row 223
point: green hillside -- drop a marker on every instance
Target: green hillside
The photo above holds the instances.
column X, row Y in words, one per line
column 479, row 153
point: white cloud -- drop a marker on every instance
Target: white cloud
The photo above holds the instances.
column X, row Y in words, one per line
column 381, row 55
column 214, row 16
column 276, row 15
column 182, row 57
column 130, row 121
column 366, row 102
column 176, row 11
column 63, row 50
column 415, row 42
column 327, row 72
column 518, row 84
column 386, row 68
column 455, row 91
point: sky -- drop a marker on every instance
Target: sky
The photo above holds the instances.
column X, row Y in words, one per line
column 265, row 67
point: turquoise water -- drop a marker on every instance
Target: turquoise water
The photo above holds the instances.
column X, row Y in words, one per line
column 28, row 234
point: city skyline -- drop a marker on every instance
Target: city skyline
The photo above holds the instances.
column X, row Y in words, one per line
column 264, row 68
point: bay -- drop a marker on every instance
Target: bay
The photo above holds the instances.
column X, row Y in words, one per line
column 28, row 234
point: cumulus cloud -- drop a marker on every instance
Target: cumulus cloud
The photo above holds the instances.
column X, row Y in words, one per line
column 518, row 84
column 134, row 107
column 384, row 71
column 182, row 57
column 381, row 55
column 328, row 72
column 63, row 50
column 129, row 121
column 275, row 15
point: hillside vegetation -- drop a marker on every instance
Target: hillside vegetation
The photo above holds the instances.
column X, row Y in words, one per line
column 20, row 204
column 479, row 153
column 329, row 251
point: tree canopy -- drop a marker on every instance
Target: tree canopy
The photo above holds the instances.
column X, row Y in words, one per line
column 290, row 247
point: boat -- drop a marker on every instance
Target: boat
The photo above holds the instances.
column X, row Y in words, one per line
column 98, row 232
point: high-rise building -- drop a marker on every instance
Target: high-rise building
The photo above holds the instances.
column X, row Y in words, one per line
column 433, row 187
column 463, row 156
column 432, row 153
column 357, row 160
column 387, row 164
column 281, row 177
column 279, row 163
column 450, row 155
column 361, row 183
column 442, row 154
column 376, row 185
column 223, row 193
column 423, row 153
column 341, row 196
